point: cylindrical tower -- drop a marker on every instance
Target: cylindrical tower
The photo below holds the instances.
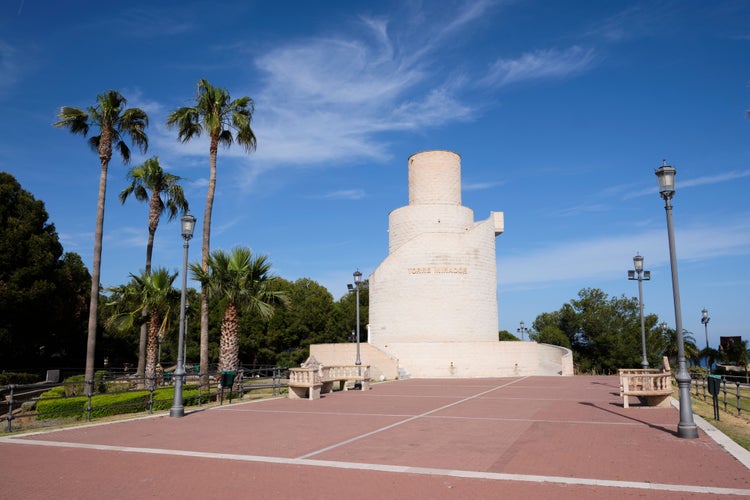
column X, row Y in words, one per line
column 439, row 281
column 435, row 178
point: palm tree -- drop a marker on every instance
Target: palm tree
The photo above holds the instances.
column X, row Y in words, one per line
column 152, row 292
column 166, row 195
column 737, row 353
column 218, row 116
column 114, row 123
column 669, row 346
column 711, row 355
column 243, row 283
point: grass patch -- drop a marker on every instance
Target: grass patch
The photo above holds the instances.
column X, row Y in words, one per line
column 737, row 428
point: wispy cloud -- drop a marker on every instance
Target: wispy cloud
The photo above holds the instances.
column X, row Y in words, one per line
column 550, row 63
column 690, row 183
column 11, row 67
column 344, row 194
column 479, row 186
column 331, row 99
column 603, row 258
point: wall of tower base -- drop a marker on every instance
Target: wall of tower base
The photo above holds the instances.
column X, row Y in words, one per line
column 452, row 359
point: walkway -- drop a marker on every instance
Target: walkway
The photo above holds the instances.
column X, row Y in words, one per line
column 533, row 437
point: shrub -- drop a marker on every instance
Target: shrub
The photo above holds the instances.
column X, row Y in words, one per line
column 8, row 378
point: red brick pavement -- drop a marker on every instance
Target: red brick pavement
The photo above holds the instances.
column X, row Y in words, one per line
column 535, row 437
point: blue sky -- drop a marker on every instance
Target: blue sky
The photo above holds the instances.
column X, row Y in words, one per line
column 561, row 111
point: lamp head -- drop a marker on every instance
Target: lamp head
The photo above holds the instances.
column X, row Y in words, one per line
column 638, row 262
column 188, row 226
column 666, row 174
column 357, row 276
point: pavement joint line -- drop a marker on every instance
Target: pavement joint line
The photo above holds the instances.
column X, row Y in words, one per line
column 452, row 417
column 396, row 424
column 401, row 469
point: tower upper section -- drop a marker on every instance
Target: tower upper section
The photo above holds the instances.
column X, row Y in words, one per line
column 435, row 178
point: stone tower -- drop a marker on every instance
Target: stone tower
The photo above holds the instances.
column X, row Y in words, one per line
column 439, row 281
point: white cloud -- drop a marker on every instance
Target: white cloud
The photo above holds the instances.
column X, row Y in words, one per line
column 345, row 194
column 540, row 64
column 690, row 183
column 605, row 257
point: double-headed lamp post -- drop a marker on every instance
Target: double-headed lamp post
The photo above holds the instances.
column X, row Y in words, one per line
column 641, row 275
column 522, row 330
column 178, row 409
column 686, row 428
column 355, row 288
column 705, row 319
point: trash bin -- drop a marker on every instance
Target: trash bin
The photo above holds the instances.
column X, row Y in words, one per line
column 227, row 378
column 226, row 381
column 167, row 377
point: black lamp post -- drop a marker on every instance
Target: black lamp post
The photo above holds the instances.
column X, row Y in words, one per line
column 522, row 330
column 705, row 319
column 686, row 428
column 641, row 275
column 357, row 283
column 178, row 410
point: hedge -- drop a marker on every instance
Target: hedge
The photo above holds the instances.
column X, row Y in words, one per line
column 53, row 404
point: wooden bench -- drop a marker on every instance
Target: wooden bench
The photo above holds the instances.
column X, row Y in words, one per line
column 343, row 374
column 651, row 387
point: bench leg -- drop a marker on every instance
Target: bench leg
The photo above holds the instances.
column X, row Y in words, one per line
column 626, row 401
column 315, row 392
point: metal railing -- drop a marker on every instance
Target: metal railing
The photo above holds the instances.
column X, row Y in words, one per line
column 28, row 406
column 733, row 394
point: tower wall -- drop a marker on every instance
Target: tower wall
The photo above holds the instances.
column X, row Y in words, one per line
column 439, row 281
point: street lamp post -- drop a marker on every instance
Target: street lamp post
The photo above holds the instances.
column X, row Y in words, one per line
column 686, row 428
column 705, row 319
column 178, row 409
column 641, row 275
column 357, row 283
column 522, row 330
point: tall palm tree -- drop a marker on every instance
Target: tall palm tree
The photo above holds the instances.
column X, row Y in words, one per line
column 153, row 292
column 244, row 284
column 668, row 346
column 114, row 123
column 225, row 121
column 149, row 181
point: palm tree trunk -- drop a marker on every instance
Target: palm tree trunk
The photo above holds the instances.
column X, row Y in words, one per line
column 152, row 346
column 205, row 251
column 229, row 343
column 105, row 153
column 153, row 222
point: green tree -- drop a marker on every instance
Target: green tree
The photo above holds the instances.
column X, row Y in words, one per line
column 711, row 356
column 149, row 182
column 243, row 283
column 737, row 353
column 505, row 335
column 667, row 346
column 155, row 293
column 603, row 332
column 225, row 121
column 552, row 335
column 114, row 124
column 43, row 291
column 285, row 338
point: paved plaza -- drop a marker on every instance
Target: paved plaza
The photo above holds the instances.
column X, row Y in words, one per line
column 523, row 437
